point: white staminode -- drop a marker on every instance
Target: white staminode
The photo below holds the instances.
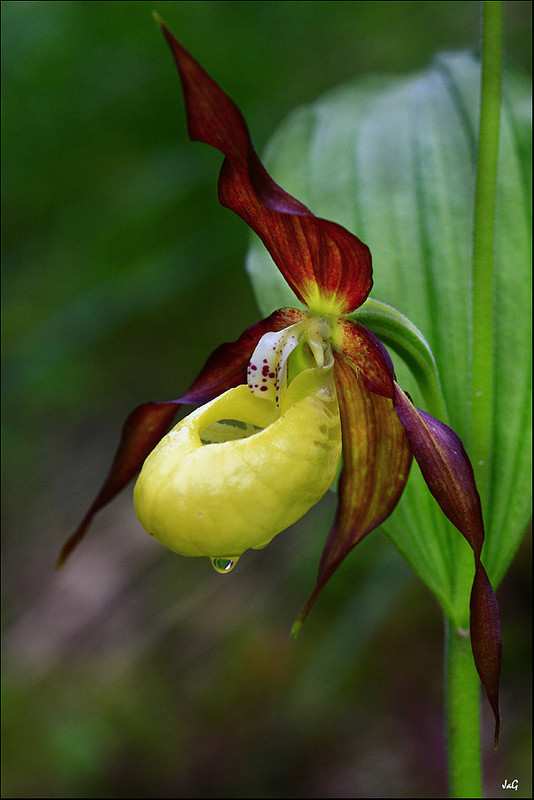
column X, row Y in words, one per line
column 267, row 370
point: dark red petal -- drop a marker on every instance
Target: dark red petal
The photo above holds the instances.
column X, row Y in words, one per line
column 143, row 429
column 327, row 267
column 366, row 355
column 449, row 476
column 376, row 463
column 227, row 365
column 148, row 423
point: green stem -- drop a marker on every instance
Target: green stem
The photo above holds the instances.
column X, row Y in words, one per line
column 482, row 380
column 463, row 715
column 462, row 685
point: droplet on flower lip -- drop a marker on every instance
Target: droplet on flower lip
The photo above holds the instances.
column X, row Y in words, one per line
column 224, row 565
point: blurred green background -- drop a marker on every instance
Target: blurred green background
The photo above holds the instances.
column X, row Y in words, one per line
column 135, row 673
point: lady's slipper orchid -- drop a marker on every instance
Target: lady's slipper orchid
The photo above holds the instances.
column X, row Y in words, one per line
column 286, row 398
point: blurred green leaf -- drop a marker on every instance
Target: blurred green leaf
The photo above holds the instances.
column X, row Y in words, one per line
column 394, row 161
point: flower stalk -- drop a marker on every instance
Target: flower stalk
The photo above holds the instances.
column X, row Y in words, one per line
column 463, row 718
column 482, row 380
column 462, row 685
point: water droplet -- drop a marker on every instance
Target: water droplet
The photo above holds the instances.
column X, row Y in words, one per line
column 224, row 565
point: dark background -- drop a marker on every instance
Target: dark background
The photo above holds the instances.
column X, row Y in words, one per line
column 133, row 672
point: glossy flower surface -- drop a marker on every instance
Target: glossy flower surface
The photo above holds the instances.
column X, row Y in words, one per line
column 245, row 466
column 256, row 457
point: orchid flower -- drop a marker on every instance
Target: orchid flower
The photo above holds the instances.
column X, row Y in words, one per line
column 296, row 393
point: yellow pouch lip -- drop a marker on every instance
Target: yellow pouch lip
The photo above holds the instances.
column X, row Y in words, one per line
column 220, row 499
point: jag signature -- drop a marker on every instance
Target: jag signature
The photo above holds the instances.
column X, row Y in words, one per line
column 510, row 784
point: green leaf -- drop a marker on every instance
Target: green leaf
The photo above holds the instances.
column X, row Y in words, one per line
column 393, row 159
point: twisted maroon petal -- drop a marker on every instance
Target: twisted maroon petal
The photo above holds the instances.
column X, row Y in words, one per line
column 328, row 268
column 147, row 424
column 449, row 476
column 376, row 463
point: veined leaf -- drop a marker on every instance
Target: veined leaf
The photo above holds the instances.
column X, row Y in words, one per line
column 394, row 159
